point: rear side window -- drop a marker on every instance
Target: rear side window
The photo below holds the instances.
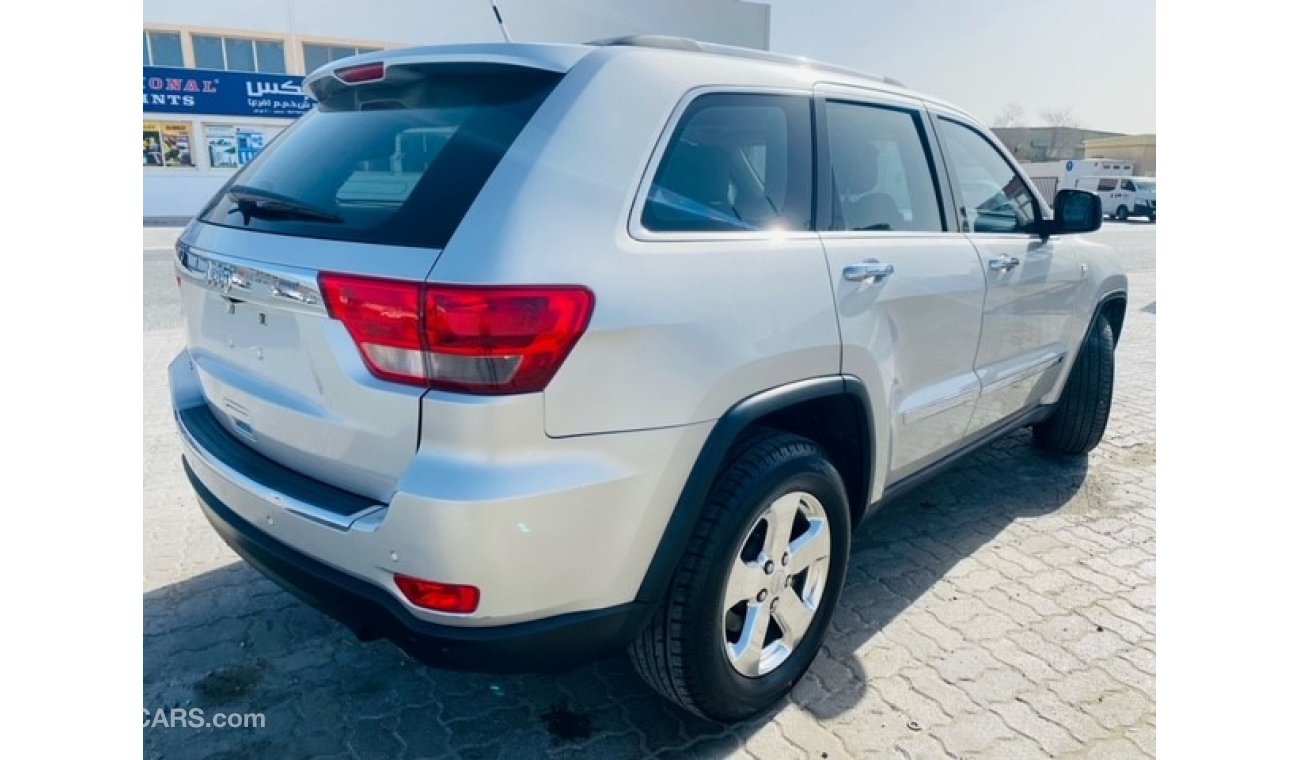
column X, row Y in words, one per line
column 880, row 172
column 1105, row 185
column 736, row 162
column 394, row 162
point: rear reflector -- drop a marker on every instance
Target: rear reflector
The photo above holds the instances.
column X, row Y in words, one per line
column 473, row 339
column 366, row 72
column 443, row 597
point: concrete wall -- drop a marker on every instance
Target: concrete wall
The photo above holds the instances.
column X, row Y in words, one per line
column 1140, row 149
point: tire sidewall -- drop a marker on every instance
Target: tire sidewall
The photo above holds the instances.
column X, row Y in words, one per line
column 721, row 684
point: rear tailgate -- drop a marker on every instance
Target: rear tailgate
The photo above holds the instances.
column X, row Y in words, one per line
column 371, row 183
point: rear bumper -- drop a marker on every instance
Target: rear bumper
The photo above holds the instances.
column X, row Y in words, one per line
column 556, row 534
column 552, row 644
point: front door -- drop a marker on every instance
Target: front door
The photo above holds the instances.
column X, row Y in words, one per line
column 1032, row 282
column 909, row 289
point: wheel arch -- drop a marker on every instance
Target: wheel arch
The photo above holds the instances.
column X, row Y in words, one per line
column 1111, row 307
column 832, row 411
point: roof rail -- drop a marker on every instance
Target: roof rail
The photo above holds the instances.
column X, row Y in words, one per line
column 666, row 42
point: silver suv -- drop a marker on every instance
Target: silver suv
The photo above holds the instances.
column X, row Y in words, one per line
column 521, row 355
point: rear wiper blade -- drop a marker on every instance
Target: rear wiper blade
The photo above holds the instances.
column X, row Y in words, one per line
column 267, row 204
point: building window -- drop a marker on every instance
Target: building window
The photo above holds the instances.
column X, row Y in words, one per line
column 315, row 56
column 167, row 144
column 163, row 49
column 238, row 54
column 230, row 147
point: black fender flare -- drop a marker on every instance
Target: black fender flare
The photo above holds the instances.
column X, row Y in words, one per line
column 713, row 457
column 1102, row 304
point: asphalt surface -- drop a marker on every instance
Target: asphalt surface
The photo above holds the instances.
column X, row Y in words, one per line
column 1006, row 609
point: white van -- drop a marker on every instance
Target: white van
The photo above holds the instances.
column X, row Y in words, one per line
column 1122, row 197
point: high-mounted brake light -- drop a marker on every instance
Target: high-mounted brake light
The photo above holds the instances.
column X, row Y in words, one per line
column 443, row 597
column 472, row 339
column 366, row 72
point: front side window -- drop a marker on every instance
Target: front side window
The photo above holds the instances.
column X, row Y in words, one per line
column 735, row 162
column 992, row 195
column 1128, row 185
column 238, row 54
column 880, row 173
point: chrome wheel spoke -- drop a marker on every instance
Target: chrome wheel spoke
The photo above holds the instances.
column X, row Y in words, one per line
column 780, row 523
column 794, row 618
column 747, row 652
column 813, row 545
column 745, row 581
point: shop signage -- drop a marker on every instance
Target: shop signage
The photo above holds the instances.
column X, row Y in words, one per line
column 228, row 93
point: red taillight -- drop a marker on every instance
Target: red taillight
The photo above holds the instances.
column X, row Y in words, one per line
column 474, row 339
column 383, row 318
column 366, row 72
column 501, row 339
column 443, row 597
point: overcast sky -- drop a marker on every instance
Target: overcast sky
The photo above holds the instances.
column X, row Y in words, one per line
column 1095, row 56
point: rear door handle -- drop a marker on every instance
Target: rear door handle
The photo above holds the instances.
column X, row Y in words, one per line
column 868, row 270
column 1004, row 263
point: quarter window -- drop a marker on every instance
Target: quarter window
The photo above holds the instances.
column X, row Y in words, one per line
column 736, row 162
column 238, row 54
column 880, row 173
column 992, row 195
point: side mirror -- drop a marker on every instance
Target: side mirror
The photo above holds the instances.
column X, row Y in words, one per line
column 1075, row 211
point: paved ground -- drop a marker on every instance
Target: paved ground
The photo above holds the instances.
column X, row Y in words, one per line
column 1005, row 610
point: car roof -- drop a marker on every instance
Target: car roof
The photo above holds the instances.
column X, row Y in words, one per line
column 561, row 57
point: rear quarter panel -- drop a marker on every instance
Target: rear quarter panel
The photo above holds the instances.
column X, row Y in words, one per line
column 682, row 329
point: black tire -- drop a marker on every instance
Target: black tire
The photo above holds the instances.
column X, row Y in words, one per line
column 1121, row 213
column 1152, row 218
column 680, row 653
column 1077, row 424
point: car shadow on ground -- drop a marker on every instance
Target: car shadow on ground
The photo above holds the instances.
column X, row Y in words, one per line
column 231, row 641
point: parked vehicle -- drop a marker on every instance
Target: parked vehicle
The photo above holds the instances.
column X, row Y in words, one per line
column 1122, row 197
column 616, row 354
column 1050, row 176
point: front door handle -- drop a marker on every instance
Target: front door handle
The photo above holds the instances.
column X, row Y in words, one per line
column 868, row 270
column 1004, row 263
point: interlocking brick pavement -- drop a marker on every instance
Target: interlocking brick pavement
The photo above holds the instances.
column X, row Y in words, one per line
column 1005, row 610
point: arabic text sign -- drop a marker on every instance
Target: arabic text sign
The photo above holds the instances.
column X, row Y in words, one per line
column 228, row 93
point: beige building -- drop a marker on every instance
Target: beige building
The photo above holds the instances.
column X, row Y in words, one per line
column 1140, row 149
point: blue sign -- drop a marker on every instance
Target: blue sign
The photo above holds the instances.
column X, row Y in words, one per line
column 226, row 93
column 1069, row 166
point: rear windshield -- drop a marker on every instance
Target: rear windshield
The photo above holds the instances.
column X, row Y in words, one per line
column 396, row 162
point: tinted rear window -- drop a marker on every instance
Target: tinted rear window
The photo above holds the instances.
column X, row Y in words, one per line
column 397, row 162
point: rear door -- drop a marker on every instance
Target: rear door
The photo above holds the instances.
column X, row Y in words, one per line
column 1033, row 282
column 909, row 289
column 372, row 182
